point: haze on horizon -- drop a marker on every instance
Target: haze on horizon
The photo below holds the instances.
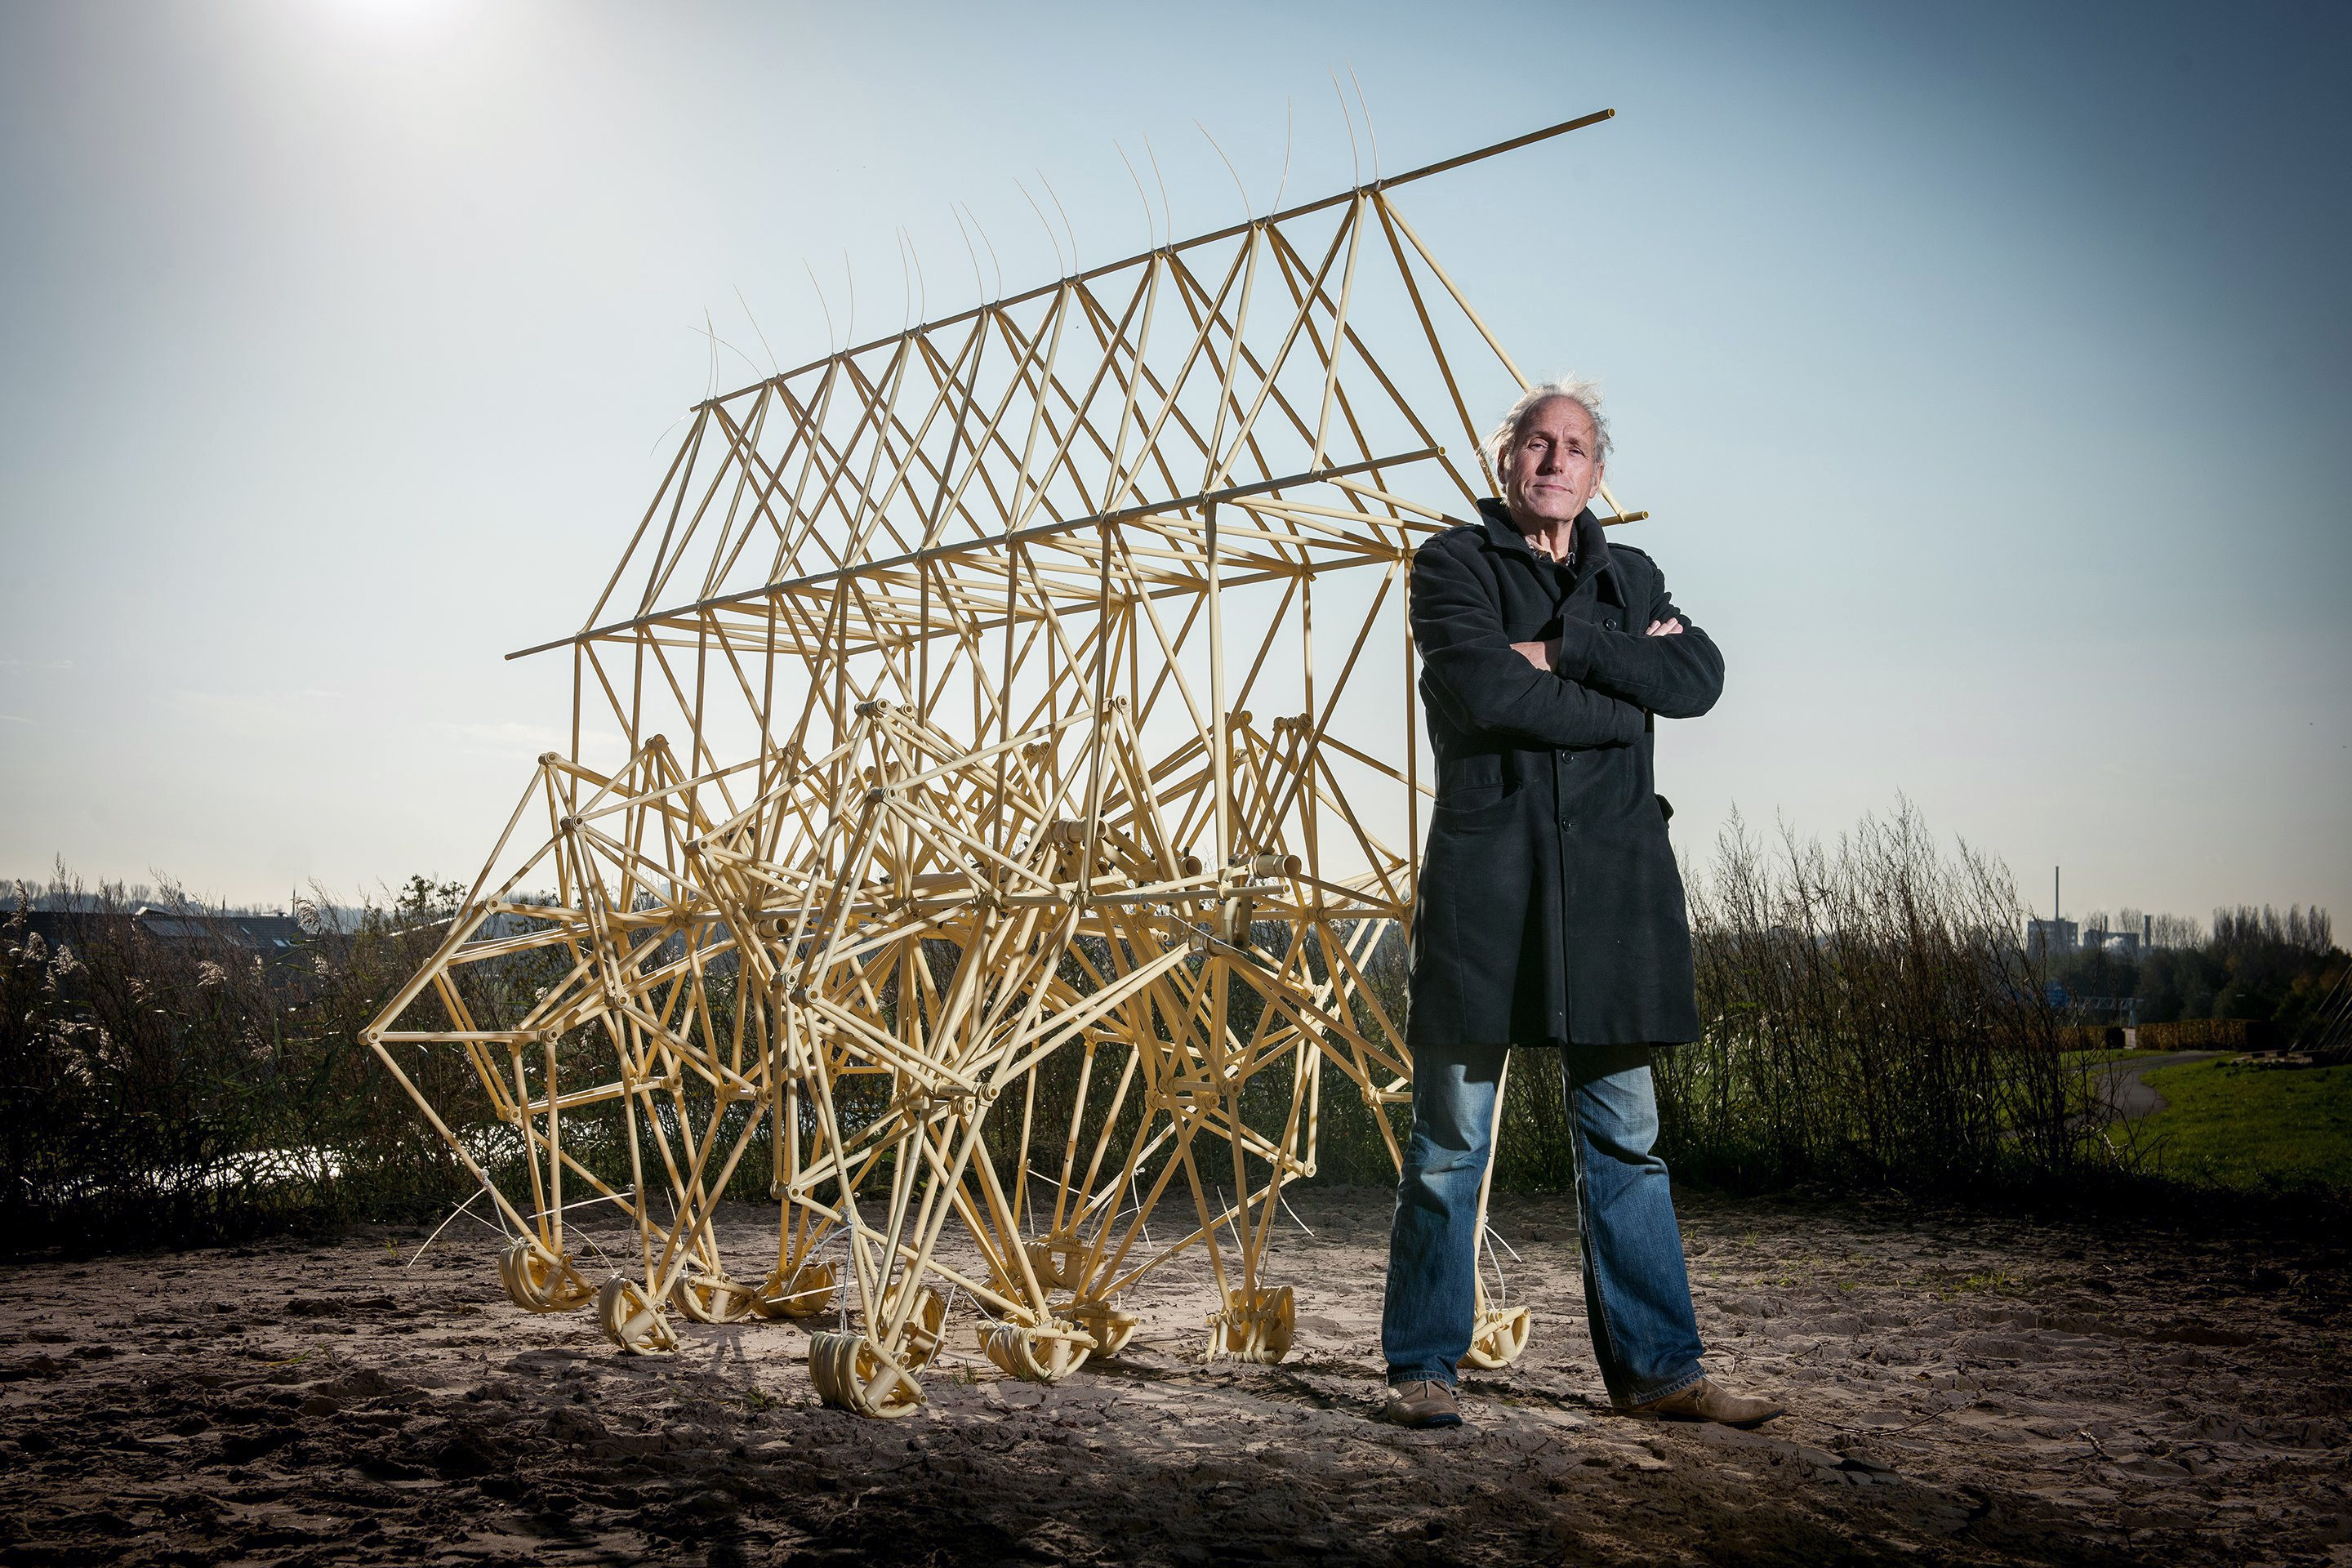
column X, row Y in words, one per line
column 1985, row 373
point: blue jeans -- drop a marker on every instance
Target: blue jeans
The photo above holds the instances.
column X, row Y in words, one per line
column 1636, row 1293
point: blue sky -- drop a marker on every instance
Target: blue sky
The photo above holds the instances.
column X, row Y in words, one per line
column 1984, row 368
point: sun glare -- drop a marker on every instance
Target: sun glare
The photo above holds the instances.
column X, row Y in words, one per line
column 407, row 16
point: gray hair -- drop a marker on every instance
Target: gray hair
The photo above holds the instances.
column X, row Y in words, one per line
column 1585, row 394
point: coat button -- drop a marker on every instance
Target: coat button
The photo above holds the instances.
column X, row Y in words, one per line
column 1609, row 625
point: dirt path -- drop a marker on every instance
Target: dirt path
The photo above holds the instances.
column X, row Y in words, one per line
column 2126, row 1087
column 1962, row 1391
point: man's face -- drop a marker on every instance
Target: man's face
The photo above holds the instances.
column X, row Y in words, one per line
column 1551, row 472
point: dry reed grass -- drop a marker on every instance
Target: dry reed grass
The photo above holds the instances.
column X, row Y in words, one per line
column 1871, row 1016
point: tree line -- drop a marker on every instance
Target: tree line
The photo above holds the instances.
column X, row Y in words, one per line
column 2251, row 962
column 1871, row 1014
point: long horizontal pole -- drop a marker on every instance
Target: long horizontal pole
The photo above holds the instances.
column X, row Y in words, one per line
column 992, row 542
column 1546, row 134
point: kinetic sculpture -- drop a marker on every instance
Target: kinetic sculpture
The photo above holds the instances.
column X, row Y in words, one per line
column 1046, row 774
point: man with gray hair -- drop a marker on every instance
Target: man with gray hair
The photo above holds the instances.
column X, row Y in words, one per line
column 1549, row 913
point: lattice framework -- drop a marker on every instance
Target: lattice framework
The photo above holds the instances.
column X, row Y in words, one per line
column 965, row 633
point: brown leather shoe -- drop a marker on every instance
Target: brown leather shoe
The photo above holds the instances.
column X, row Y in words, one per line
column 1422, row 1403
column 1702, row 1401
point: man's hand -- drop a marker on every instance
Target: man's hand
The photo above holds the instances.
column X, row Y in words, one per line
column 1544, row 655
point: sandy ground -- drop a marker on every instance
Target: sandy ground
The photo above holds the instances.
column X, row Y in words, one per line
column 1962, row 1391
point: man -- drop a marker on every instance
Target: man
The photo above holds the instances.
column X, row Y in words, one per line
column 1550, row 911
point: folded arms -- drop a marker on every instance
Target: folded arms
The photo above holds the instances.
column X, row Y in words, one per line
column 1595, row 685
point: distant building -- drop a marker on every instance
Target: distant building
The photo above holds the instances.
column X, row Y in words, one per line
column 2122, row 942
column 270, row 936
column 2051, row 939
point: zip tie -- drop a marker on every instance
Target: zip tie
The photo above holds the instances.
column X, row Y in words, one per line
column 1502, row 1286
column 1292, row 1213
column 444, row 1225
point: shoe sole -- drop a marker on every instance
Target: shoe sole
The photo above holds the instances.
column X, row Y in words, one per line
column 1704, row 1420
column 1422, row 1423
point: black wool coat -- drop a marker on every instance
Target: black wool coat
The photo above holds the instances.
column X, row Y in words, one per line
column 1549, row 911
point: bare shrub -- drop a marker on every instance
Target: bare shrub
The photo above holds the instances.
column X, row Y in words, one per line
column 1870, row 1013
column 160, row 1080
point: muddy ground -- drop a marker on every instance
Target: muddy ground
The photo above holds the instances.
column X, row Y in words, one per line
column 1961, row 1390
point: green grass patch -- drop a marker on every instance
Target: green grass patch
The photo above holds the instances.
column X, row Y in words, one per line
column 2098, row 1059
column 2230, row 1125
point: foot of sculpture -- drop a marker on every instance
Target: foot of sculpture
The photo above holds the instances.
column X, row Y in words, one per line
column 1500, row 1338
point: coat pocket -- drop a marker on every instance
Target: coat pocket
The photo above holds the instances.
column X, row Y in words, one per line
column 1473, row 811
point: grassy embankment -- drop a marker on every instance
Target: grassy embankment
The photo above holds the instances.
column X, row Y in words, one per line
column 2254, row 1129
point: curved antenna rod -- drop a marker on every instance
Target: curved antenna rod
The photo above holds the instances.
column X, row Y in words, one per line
column 1065, row 218
column 853, row 292
column 1236, row 173
column 1280, row 189
column 666, row 429
column 1167, row 213
column 1150, row 228
column 822, row 304
column 978, row 285
column 755, row 328
column 906, row 284
column 1373, row 135
column 1425, row 171
column 1354, row 162
column 922, row 291
column 1051, row 237
column 993, row 263
column 710, row 331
